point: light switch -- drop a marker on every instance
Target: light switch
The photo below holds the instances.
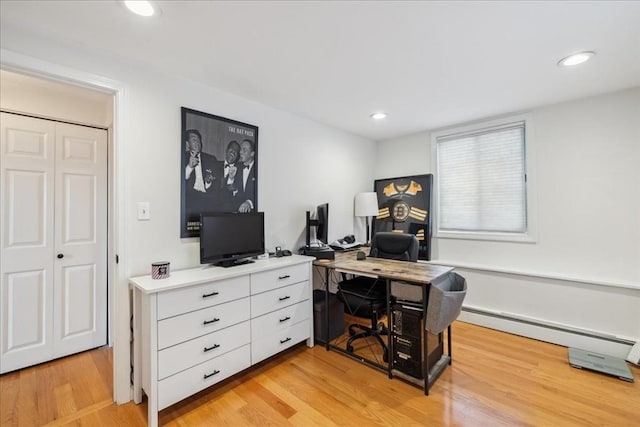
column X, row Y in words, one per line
column 144, row 212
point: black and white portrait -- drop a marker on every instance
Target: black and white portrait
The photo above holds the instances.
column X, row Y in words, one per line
column 219, row 168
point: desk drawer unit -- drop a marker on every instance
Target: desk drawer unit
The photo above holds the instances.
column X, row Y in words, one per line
column 172, row 303
column 178, row 329
column 284, row 318
column 276, row 299
column 203, row 325
column 278, row 341
column 186, row 383
column 187, row 354
column 272, row 279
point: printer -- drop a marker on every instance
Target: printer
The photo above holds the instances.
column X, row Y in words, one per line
column 320, row 252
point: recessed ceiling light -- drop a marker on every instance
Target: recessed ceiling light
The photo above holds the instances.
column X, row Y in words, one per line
column 140, row 7
column 575, row 59
column 378, row 116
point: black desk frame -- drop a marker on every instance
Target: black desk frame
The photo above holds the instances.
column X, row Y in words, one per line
column 430, row 375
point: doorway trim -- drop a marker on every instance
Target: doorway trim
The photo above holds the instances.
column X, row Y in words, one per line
column 118, row 273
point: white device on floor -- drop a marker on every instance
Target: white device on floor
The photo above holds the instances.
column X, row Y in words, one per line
column 599, row 363
column 634, row 354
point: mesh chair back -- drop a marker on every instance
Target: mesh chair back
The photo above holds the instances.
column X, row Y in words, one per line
column 400, row 246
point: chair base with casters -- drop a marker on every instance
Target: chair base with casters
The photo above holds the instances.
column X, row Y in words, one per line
column 368, row 332
column 365, row 297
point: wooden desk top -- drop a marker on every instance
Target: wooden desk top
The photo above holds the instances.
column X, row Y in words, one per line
column 414, row 272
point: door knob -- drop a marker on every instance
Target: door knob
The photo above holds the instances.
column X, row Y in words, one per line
column 60, row 256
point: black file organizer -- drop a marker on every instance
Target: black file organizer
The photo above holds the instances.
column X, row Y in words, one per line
column 320, row 308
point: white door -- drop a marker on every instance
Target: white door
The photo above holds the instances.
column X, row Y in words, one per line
column 80, row 270
column 53, row 262
column 26, row 262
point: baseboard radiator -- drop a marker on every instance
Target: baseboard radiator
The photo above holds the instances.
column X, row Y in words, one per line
column 548, row 325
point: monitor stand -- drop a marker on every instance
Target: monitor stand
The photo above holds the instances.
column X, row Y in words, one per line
column 235, row 262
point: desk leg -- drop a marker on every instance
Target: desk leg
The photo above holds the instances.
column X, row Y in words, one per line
column 425, row 340
column 389, row 331
column 326, row 308
column 449, row 343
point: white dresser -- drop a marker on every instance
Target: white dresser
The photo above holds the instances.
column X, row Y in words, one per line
column 202, row 325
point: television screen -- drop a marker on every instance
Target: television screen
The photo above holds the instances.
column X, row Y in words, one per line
column 228, row 239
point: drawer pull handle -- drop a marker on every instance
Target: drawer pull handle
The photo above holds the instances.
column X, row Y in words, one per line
column 214, row 320
column 213, row 347
column 285, row 340
column 286, row 276
column 285, row 319
column 284, row 298
column 211, row 374
column 212, row 294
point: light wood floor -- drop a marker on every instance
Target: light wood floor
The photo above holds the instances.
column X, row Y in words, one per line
column 496, row 379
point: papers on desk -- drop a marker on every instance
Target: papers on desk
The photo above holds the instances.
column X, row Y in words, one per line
column 340, row 245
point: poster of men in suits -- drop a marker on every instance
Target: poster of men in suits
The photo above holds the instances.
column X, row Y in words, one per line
column 219, row 168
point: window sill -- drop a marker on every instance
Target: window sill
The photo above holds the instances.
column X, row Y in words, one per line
column 496, row 237
column 600, row 281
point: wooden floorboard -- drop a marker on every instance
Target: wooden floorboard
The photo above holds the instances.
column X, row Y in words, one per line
column 496, row 379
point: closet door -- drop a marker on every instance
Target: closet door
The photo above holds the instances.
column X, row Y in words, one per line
column 26, row 263
column 80, row 270
column 53, row 278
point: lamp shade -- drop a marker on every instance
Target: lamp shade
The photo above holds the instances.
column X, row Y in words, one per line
column 366, row 204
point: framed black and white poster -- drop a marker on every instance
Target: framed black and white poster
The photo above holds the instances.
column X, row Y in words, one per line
column 219, row 168
column 404, row 204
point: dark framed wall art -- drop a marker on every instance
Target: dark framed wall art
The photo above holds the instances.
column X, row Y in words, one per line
column 404, row 205
column 219, row 168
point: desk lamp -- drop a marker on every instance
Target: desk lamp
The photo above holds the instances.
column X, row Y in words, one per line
column 366, row 205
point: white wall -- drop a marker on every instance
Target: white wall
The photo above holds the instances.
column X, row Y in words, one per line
column 587, row 182
column 302, row 164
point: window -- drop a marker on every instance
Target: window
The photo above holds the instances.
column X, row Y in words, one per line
column 482, row 182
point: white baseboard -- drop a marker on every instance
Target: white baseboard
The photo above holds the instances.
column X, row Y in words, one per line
column 552, row 333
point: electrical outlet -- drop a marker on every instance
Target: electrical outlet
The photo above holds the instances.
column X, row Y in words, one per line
column 144, row 212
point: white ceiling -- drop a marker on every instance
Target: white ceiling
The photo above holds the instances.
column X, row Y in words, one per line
column 428, row 64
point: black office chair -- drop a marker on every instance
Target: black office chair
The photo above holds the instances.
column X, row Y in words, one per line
column 367, row 297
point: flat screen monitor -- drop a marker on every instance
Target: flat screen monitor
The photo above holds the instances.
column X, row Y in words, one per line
column 318, row 226
column 322, row 228
column 228, row 239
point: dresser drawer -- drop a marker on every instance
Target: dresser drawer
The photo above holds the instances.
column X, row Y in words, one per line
column 179, row 357
column 279, row 320
column 276, row 299
column 272, row 279
column 172, row 303
column 281, row 340
column 186, row 383
column 178, row 329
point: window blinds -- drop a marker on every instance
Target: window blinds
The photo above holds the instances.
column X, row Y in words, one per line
column 482, row 180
